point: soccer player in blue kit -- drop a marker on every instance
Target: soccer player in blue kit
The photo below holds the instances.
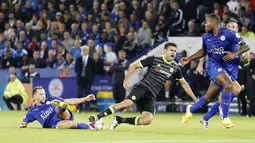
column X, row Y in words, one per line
column 220, row 45
column 53, row 112
column 215, row 108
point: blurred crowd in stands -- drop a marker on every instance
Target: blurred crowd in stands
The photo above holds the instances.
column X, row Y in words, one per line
column 52, row 33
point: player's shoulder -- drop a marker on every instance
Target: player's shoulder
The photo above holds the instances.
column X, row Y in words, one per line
column 32, row 109
column 157, row 56
column 206, row 35
column 175, row 64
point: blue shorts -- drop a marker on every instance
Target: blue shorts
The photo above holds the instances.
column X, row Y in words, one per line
column 215, row 69
column 56, row 119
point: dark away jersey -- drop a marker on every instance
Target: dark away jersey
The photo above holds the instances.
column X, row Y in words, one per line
column 159, row 71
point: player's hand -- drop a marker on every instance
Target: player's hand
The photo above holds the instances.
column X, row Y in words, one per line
column 91, row 97
column 253, row 76
column 230, row 56
column 184, row 61
column 200, row 69
column 126, row 83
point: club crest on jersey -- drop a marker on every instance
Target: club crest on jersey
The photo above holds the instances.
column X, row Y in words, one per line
column 48, row 102
column 222, row 38
column 171, row 70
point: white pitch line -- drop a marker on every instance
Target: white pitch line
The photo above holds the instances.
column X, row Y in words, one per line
column 168, row 141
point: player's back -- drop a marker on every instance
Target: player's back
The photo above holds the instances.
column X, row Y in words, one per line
column 43, row 113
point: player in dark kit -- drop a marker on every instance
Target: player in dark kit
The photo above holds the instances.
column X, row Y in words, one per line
column 160, row 69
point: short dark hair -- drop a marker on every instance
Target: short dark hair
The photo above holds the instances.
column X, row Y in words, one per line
column 170, row 44
column 214, row 17
column 35, row 89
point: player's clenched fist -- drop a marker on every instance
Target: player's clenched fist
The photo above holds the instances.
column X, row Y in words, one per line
column 184, row 61
column 91, row 97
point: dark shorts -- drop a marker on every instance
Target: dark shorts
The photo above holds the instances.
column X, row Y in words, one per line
column 143, row 99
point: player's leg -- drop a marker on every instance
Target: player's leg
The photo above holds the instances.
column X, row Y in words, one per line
column 216, row 106
column 147, row 108
column 211, row 93
column 69, row 124
column 167, row 88
column 112, row 109
column 224, row 80
column 61, row 109
column 236, row 90
column 133, row 97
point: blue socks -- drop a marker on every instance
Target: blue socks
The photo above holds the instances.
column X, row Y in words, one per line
column 214, row 109
column 201, row 102
column 82, row 126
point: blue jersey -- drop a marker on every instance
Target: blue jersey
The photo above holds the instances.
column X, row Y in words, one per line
column 217, row 46
column 45, row 114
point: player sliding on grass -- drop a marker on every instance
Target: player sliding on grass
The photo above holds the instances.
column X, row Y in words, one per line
column 220, row 45
column 160, row 69
column 53, row 112
column 232, row 24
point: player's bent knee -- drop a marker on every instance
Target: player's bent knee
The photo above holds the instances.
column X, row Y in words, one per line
column 236, row 89
column 208, row 98
column 228, row 86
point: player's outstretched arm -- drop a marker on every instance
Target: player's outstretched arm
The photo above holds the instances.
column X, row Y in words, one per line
column 130, row 72
column 74, row 101
column 23, row 124
column 187, row 89
column 199, row 68
column 199, row 54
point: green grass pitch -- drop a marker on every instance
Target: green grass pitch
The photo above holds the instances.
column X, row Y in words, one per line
column 165, row 128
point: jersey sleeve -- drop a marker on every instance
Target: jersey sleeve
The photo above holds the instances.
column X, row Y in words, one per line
column 56, row 98
column 236, row 38
column 29, row 117
column 203, row 44
column 178, row 74
column 147, row 61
